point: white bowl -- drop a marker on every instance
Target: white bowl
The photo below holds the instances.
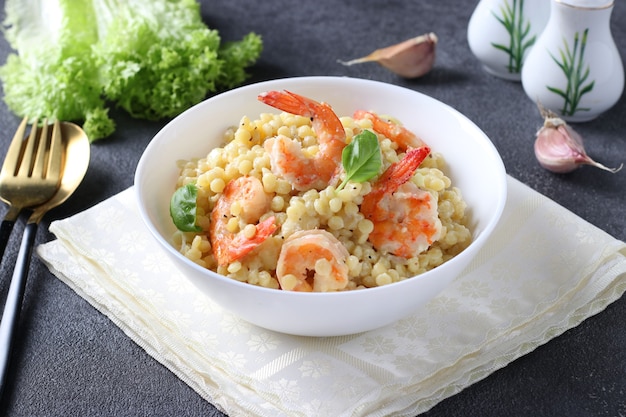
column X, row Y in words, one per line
column 474, row 166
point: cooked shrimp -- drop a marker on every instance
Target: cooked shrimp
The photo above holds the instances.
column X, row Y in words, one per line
column 286, row 156
column 405, row 217
column 312, row 260
column 228, row 246
column 397, row 133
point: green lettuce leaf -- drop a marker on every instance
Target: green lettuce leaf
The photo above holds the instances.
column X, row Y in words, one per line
column 153, row 58
column 53, row 74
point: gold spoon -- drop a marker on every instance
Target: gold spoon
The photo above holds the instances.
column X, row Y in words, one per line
column 75, row 163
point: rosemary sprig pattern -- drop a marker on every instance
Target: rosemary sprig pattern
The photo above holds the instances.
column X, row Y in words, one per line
column 572, row 64
column 518, row 28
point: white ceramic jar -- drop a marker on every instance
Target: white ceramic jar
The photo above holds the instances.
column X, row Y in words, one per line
column 501, row 33
column 575, row 69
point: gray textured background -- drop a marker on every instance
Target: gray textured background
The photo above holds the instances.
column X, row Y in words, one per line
column 72, row 361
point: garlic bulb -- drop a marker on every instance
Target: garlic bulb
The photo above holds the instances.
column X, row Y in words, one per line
column 409, row 59
column 559, row 148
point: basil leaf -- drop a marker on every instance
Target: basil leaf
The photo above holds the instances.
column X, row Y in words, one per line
column 361, row 158
column 183, row 208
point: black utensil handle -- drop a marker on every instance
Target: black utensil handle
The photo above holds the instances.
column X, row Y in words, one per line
column 5, row 233
column 11, row 313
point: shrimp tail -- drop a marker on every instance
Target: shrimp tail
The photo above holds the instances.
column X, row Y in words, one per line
column 303, row 106
column 285, row 101
column 403, row 137
column 228, row 251
column 402, row 171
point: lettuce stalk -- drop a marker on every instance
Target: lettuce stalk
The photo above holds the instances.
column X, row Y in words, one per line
column 153, row 58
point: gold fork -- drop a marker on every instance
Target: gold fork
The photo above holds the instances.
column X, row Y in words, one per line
column 31, row 172
column 30, row 177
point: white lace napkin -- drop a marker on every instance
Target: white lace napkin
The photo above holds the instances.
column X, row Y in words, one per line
column 543, row 272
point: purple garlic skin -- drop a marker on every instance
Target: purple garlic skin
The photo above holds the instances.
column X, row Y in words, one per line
column 559, row 148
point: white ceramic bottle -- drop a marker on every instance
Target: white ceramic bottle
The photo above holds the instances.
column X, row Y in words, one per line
column 575, row 69
column 501, row 33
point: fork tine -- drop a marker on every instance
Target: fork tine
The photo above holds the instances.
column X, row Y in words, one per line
column 26, row 169
column 12, row 158
column 38, row 170
column 55, row 161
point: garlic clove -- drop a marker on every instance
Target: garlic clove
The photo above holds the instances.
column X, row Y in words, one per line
column 559, row 148
column 555, row 150
column 411, row 58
